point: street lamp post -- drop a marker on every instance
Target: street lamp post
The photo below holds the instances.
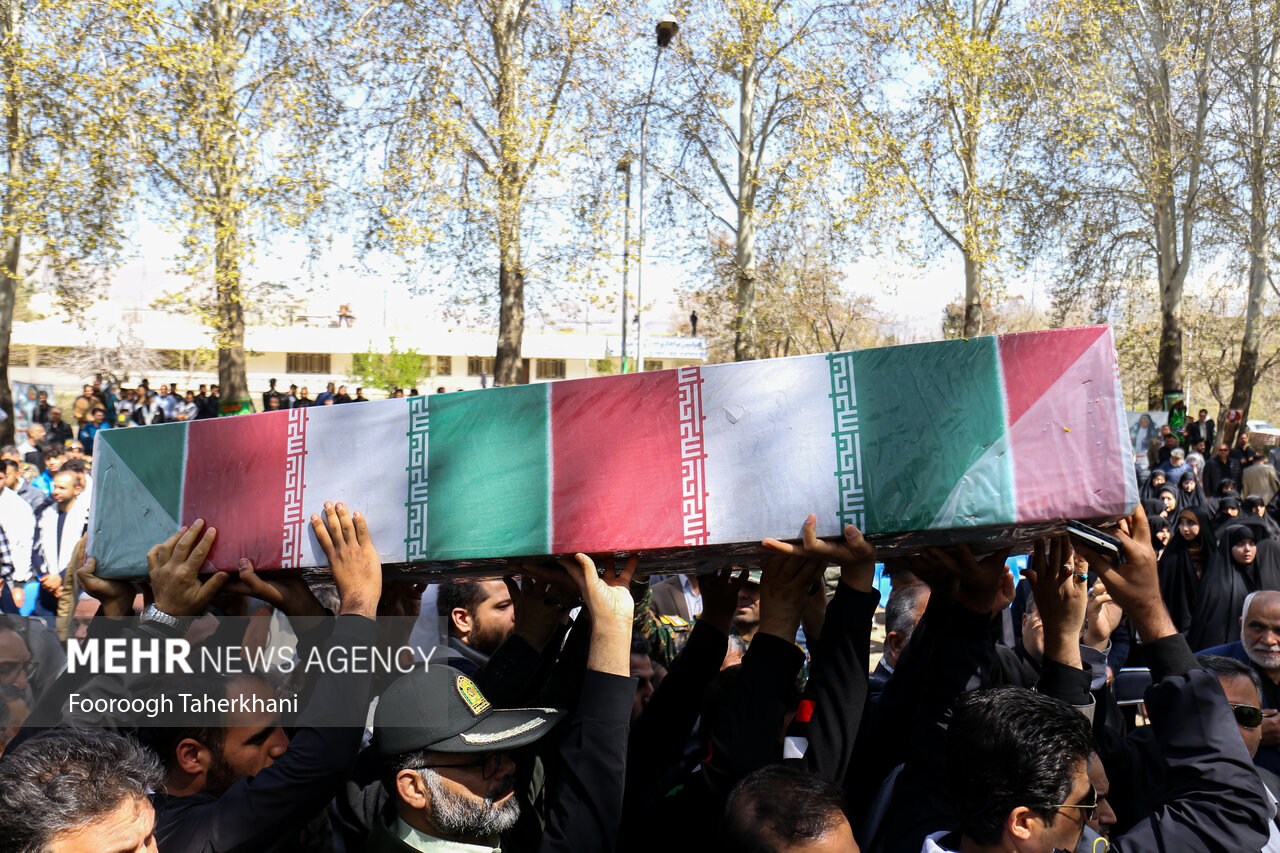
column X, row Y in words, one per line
column 664, row 32
column 624, row 168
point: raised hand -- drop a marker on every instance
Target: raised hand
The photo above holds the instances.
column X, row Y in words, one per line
column 116, row 596
column 357, row 568
column 720, row 597
column 1102, row 617
column 855, row 556
column 539, row 597
column 1062, row 596
column 1135, row 583
column 290, row 595
column 608, row 600
column 785, row 587
column 174, row 567
column 975, row 584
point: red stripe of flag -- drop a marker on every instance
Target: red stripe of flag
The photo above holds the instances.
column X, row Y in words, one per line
column 235, row 481
column 616, row 481
column 804, row 713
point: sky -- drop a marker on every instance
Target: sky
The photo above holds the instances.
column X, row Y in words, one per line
column 914, row 298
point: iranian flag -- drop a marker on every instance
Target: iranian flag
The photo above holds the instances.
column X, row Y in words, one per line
column 983, row 433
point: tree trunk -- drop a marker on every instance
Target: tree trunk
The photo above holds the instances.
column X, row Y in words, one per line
column 1261, row 120
column 1174, row 227
column 972, row 298
column 506, row 367
column 1170, row 273
column 745, row 344
column 222, row 150
column 12, row 241
column 974, row 250
column 232, row 383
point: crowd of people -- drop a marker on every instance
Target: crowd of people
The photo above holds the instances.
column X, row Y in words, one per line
column 1091, row 703
column 103, row 406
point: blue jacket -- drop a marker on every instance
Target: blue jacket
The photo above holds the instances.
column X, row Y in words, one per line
column 1268, row 756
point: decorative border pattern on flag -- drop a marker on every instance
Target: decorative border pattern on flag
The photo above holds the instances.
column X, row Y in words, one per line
column 844, row 407
column 693, row 456
column 415, row 539
column 294, row 482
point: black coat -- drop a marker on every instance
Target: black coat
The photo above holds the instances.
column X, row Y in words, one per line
column 1226, row 584
column 1185, row 782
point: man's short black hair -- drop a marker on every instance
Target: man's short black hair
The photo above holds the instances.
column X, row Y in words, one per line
column 778, row 806
column 63, row 779
column 1225, row 667
column 467, row 594
column 1009, row 747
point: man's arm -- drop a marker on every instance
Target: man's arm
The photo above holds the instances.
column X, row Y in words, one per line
column 1062, row 598
column 821, row 739
column 659, row 736
column 257, row 810
column 1214, row 799
column 511, row 675
column 586, row 805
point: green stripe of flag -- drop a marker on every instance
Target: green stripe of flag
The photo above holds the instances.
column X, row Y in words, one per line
column 490, row 473
column 927, row 413
column 155, row 456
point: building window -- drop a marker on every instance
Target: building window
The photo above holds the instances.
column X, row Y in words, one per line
column 477, row 365
column 307, row 362
column 551, row 368
column 652, row 364
column 444, row 365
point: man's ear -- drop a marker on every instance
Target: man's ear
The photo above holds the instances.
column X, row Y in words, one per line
column 1020, row 823
column 192, row 757
column 462, row 621
column 412, row 790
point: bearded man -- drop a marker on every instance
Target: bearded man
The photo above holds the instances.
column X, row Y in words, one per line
column 1259, row 646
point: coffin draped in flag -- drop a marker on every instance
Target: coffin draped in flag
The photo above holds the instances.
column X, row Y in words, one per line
column 965, row 440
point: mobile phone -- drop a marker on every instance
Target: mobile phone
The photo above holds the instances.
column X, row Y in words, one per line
column 1093, row 538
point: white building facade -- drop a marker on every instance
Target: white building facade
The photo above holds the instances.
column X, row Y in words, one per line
column 312, row 355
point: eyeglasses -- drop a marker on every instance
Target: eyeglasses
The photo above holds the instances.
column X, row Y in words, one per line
column 1091, row 808
column 1251, row 717
column 9, row 670
column 488, row 765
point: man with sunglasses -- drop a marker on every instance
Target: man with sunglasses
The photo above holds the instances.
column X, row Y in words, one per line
column 1259, row 649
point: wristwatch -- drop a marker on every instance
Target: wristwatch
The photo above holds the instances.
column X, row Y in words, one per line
column 159, row 617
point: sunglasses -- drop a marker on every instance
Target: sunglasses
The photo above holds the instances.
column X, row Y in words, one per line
column 1091, row 808
column 1251, row 717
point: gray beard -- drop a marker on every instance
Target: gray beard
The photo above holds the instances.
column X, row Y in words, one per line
column 467, row 816
column 1265, row 659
